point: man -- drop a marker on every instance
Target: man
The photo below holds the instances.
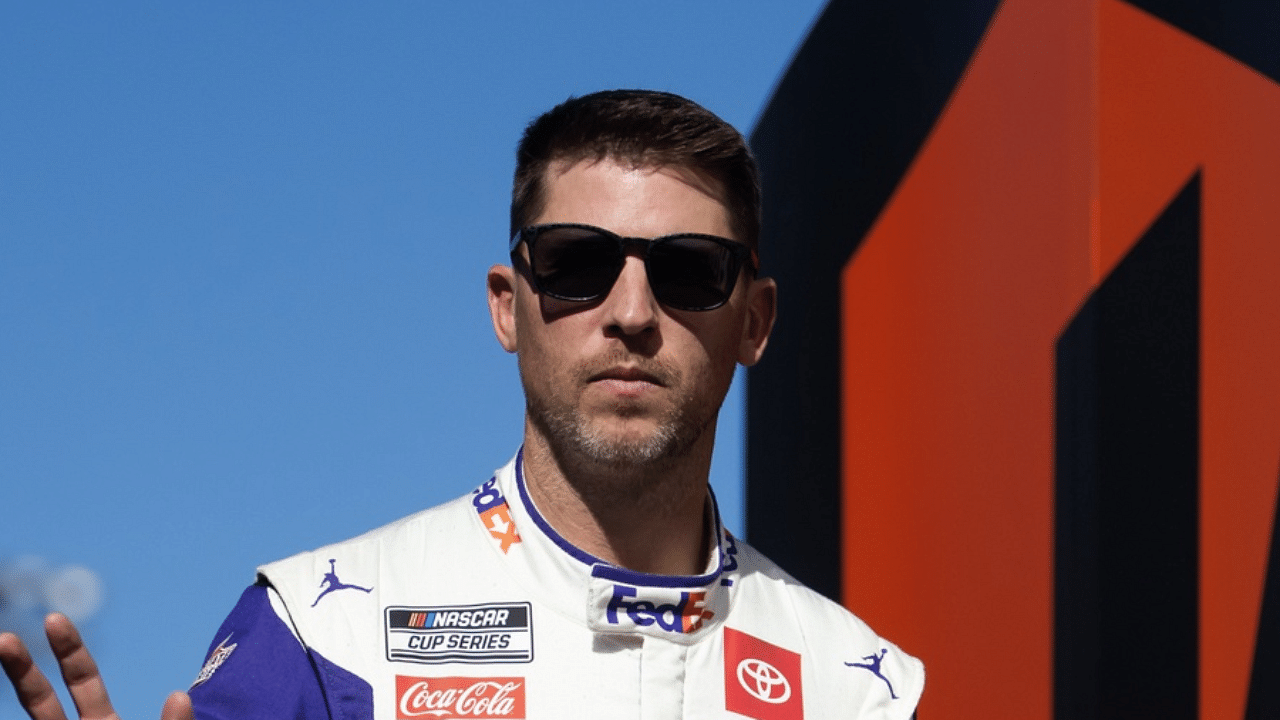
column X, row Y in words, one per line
column 590, row 577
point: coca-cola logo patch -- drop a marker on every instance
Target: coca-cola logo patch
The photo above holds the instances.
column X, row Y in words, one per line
column 459, row 697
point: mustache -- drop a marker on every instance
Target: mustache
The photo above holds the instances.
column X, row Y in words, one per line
column 621, row 364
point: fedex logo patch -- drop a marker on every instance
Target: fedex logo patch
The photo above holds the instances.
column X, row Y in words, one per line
column 495, row 514
column 761, row 680
column 683, row 614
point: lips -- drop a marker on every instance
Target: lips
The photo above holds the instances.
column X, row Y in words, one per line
column 626, row 381
column 627, row 374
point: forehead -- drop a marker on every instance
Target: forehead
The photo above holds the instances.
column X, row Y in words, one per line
column 636, row 200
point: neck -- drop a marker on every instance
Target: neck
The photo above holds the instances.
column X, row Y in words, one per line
column 651, row 519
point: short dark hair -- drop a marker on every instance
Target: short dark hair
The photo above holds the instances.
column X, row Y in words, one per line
column 646, row 128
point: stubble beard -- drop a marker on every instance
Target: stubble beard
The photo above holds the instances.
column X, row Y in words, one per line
column 571, row 433
column 600, row 463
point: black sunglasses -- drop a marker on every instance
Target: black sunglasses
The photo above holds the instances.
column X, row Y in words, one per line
column 580, row 263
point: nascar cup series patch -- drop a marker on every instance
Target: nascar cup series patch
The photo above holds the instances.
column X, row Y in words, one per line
column 488, row 633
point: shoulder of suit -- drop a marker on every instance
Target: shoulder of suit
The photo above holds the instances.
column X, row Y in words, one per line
column 407, row 540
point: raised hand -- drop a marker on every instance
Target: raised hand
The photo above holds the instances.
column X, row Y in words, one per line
column 79, row 672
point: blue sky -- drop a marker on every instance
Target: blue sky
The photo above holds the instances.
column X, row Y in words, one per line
column 242, row 251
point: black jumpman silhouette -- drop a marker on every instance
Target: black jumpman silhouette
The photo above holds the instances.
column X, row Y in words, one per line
column 331, row 579
column 873, row 664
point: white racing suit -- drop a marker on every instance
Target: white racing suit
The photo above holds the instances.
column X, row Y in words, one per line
column 479, row 609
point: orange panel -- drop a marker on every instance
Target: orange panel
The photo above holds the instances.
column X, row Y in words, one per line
column 1169, row 104
column 1073, row 128
column 951, row 310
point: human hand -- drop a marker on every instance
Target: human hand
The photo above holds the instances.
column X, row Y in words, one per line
column 79, row 672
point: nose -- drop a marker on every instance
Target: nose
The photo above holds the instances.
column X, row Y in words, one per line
column 631, row 308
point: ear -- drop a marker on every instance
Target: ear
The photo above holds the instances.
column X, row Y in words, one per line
column 762, row 310
column 501, row 282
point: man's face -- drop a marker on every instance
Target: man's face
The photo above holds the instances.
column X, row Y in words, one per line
column 624, row 379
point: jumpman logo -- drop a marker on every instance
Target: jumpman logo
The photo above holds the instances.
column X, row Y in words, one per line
column 331, row 579
column 873, row 664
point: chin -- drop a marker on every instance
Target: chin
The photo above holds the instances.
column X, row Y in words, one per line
column 615, row 439
column 630, row 448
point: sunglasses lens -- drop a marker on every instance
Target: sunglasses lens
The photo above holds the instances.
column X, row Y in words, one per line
column 581, row 263
column 576, row 263
column 691, row 273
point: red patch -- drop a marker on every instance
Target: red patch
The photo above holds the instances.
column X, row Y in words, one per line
column 761, row 680
column 459, row 697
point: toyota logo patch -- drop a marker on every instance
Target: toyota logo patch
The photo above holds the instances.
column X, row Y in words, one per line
column 763, row 681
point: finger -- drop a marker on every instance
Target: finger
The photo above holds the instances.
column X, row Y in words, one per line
column 35, row 693
column 177, row 707
column 79, row 671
